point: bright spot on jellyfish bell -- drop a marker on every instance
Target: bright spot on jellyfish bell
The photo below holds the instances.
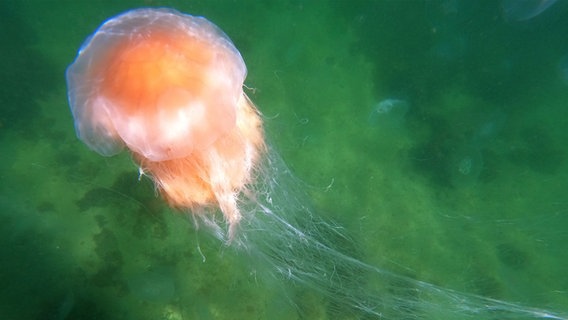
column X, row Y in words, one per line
column 168, row 87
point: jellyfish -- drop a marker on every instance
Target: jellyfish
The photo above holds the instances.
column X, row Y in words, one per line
column 563, row 69
column 168, row 87
column 389, row 113
column 466, row 164
column 522, row 10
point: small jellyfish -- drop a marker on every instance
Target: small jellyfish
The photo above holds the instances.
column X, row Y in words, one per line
column 522, row 10
column 450, row 48
column 490, row 128
column 155, row 285
column 467, row 162
column 563, row 69
column 466, row 166
column 168, row 87
column 389, row 113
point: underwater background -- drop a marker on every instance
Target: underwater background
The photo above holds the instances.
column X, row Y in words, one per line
column 434, row 132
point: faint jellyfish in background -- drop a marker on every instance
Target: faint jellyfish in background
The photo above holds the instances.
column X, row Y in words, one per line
column 448, row 43
column 389, row 113
column 466, row 166
column 467, row 162
column 450, row 48
column 563, row 69
column 522, row 10
column 157, row 285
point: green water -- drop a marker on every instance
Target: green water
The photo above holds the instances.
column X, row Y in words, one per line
column 466, row 190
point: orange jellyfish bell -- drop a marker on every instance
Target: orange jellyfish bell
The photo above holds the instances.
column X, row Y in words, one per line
column 168, row 86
